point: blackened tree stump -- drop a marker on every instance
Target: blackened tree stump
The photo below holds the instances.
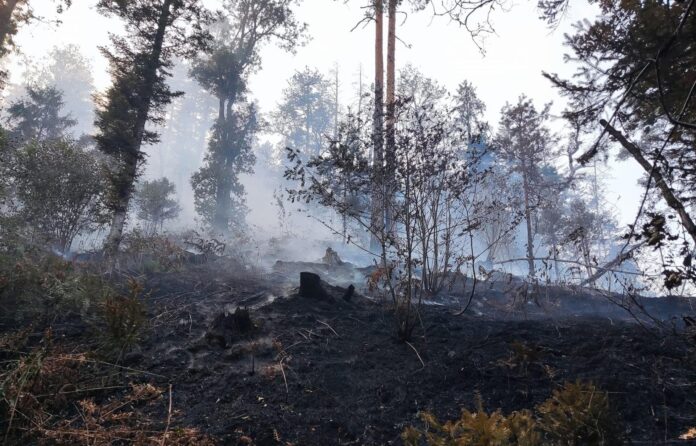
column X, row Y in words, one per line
column 310, row 286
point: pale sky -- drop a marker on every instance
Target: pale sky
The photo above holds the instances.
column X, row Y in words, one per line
column 516, row 55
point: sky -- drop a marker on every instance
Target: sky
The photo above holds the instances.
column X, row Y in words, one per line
column 515, row 56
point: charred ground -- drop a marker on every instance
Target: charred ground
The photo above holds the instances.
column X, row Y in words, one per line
column 327, row 371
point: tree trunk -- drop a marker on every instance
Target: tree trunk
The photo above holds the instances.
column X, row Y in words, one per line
column 120, row 210
column 7, row 10
column 390, row 152
column 586, row 256
column 129, row 171
column 377, row 220
column 223, row 189
column 222, row 202
column 555, row 260
column 528, row 219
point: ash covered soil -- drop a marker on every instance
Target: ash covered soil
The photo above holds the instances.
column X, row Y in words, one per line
column 327, row 371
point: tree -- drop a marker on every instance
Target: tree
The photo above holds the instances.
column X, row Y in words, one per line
column 249, row 25
column 39, row 115
column 14, row 13
column 157, row 32
column 305, row 114
column 218, row 192
column 552, row 229
column 434, row 214
column 528, row 145
column 384, row 154
column 469, row 110
column 155, row 204
column 378, row 193
column 59, row 187
column 70, row 72
column 636, row 63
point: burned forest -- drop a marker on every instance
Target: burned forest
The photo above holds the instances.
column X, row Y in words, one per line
column 347, row 222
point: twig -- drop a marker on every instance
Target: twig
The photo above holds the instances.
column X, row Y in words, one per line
column 330, row 327
column 111, row 365
column 169, row 417
column 417, row 354
column 285, row 380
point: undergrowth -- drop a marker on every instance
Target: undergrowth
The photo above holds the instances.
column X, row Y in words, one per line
column 52, row 396
column 124, row 318
column 576, row 414
column 152, row 253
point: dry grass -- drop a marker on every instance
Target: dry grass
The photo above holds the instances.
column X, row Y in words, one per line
column 576, row 414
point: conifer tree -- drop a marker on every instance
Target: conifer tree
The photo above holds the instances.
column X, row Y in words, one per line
column 157, row 31
column 527, row 144
column 249, row 24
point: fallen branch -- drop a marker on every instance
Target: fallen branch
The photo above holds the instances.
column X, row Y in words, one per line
column 608, row 267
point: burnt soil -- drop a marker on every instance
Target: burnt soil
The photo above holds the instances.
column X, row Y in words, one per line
column 331, row 372
column 346, row 379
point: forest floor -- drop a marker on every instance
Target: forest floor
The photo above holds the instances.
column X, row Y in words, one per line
column 330, row 372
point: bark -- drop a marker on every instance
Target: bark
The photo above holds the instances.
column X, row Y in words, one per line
column 377, row 222
column 130, row 169
column 222, row 201
column 667, row 193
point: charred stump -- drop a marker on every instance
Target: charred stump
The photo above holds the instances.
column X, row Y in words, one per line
column 348, row 295
column 227, row 327
column 310, row 286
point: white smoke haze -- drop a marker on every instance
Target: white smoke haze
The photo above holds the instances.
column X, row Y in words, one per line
column 298, row 232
